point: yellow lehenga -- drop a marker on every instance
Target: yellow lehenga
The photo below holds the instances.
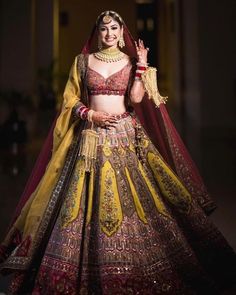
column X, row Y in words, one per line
column 128, row 226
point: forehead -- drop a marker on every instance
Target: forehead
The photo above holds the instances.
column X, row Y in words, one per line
column 110, row 24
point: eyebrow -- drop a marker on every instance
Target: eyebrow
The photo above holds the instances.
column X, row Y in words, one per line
column 104, row 26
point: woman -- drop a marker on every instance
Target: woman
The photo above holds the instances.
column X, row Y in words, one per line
column 112, row 214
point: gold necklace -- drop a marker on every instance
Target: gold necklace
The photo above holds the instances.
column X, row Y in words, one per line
column 109, row 55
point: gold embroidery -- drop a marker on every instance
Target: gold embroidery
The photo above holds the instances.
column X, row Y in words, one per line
column 106, row 149
column 71, row 207
column 90, row 197
column 118, row 163
column 170, row 185
column 137, row 203
column 145, row 142
column 157, row 200
column 110, row 211
column 121, row 151
column 131, row 147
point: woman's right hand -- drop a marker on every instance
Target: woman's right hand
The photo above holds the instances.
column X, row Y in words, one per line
column 103, row 119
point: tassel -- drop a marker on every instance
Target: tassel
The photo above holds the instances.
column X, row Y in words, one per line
column 88, row 147
column 150, row 84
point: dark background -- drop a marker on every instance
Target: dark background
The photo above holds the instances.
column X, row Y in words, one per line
column 193, row 46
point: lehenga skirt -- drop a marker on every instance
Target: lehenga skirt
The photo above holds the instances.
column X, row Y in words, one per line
column 130, row 226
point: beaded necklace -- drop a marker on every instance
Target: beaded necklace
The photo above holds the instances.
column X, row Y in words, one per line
column 109, row 55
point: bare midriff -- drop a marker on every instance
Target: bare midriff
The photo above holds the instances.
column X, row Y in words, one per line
column 112, row 104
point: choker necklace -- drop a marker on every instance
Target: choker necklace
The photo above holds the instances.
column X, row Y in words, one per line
column 109, row 55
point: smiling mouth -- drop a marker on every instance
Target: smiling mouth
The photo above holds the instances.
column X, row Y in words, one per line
column 112, row 39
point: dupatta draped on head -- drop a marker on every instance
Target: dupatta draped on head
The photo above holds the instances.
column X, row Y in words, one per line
column 158, row 125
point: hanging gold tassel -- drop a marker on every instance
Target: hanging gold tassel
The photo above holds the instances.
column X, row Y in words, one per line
column 150, row 84
column 88, row 147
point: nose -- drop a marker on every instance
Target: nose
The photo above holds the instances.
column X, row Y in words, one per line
column 108, row 32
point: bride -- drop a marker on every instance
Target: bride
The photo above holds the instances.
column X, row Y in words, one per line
column 116, row 208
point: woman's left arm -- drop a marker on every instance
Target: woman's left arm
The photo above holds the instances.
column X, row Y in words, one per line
column 137, row 90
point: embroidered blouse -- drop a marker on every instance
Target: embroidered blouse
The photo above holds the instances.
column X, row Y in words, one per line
column 115, row 84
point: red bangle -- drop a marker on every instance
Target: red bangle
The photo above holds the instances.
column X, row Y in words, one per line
column 138, row 75
column 141, row 68
column 84, row 113
column 79, row 109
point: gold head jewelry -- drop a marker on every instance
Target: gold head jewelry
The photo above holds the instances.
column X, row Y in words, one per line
column 108, row 18
column 109, row 55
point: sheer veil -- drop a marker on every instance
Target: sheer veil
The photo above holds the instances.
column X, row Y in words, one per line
column 159, row 127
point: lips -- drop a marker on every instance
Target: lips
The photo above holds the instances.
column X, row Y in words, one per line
column 110, row 39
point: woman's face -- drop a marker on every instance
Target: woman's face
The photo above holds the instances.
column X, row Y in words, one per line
column 109, row 34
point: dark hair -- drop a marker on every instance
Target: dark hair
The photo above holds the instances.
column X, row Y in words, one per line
column 111, row 13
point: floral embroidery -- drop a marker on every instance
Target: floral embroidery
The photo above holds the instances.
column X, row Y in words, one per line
column 170, row 185
column 110, row 212
column 71, row 207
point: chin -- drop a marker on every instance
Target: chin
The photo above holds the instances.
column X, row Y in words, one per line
column 110, row 44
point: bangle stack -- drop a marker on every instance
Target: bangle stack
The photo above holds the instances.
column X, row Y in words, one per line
column 82, row 112
column 141, row 68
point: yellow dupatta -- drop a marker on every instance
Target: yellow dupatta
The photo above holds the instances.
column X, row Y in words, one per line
column 31, row 215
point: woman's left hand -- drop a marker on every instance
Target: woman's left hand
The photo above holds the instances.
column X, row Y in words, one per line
column 141, row 51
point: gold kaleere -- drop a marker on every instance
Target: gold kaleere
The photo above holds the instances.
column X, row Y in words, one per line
column 88, row 148
column 150, row 84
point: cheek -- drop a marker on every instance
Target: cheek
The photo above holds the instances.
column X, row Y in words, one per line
column 102, row 34
column 119, row 33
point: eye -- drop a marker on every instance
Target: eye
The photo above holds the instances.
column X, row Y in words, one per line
column 102, row 29
column 114, row 28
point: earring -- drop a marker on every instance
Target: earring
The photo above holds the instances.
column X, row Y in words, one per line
column 99, row 44
column 121, row 42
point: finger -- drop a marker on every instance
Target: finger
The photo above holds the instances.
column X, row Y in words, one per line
column 110, row 117
column 112, row 120
column 110, row 126
column 141, row 44
column 103, row 121
column 113, row 117
column 106, row 124
column 105, row 117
